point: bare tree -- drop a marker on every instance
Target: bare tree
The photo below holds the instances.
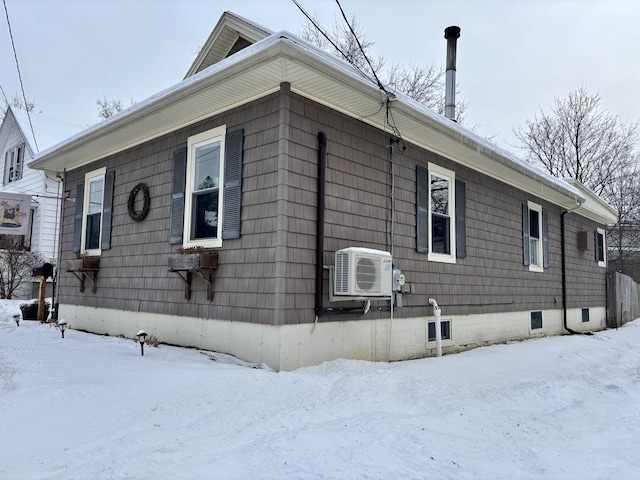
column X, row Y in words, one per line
column 424, row 84
column 17, row 102
column 16, row 264
column 344, row 44
column 579, row 140
column 624, row 237
column 108, row 108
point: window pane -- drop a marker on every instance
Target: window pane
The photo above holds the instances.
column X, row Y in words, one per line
column 95, row 196
column 205, row 215
column 93, row 231
column 440, row 234
column 536, row 320
column 445, row 330
column 600, row 247
column 207, row 166
column 533, row 251
column 534, row 224
column 439, row 195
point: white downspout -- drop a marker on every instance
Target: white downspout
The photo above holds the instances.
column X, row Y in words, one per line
column 436, row 313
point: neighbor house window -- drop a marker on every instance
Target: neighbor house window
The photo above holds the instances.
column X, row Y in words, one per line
column 600, row 248
column 585, row 315
column 536, row 320
column 535, row 237
column 13, row 160
column 445, row 330
column 207, row 189
column 94, row 201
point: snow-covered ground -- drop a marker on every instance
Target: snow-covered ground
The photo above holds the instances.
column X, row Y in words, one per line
column 91, row 407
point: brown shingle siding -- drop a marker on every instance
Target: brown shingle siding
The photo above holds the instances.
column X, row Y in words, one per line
column 492, row 278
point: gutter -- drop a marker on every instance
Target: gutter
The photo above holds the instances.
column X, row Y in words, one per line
column 564, row 270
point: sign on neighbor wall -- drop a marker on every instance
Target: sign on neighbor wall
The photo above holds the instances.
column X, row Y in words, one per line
column 14, row 213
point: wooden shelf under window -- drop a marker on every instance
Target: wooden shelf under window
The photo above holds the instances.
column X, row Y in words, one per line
column 203, row 264
column 83, row 268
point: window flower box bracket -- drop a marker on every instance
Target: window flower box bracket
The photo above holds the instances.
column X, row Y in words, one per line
column 85, row 267
column 203, row 264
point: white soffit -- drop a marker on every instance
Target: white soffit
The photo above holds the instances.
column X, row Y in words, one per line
column 257, row 71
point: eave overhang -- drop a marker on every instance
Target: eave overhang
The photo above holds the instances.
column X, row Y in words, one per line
column 594, row 207
column 259, row 70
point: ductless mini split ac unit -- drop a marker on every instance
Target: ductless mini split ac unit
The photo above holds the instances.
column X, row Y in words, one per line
column 363, row 272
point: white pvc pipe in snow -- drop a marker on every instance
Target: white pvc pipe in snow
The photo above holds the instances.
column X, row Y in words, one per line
column 436, row 313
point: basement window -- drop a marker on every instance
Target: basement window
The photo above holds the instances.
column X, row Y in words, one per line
column 445, row 330
column 536, row 320
column 585, row 315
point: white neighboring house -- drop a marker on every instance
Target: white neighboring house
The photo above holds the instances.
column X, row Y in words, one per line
column 17, row 147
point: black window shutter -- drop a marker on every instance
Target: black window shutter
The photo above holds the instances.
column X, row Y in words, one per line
column 107, row 207
column 232, row 185
column 545, row 240
column 176, row 223
column 525, row 234
column 422, row 209
column 461, row 219
column 77, row 219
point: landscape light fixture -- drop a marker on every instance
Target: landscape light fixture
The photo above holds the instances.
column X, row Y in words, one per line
column 141, row 337
column 16, row 318
column 62, row 325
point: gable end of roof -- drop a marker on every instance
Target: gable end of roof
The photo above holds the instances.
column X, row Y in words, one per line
column 231, row 34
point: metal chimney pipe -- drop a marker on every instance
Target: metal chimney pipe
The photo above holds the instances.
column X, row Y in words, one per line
column 451, row 34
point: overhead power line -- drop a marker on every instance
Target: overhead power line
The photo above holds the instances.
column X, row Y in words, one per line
column 3, row 95
column 330, row 40
column 355, row 37
column 15, row 55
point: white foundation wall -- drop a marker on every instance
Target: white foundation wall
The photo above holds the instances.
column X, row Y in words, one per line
column 287, row 347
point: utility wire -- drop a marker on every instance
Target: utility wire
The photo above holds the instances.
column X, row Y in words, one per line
column 329, row 39
column 380, row 85
column 15, row 55
column 389, row 115
column 4, row 96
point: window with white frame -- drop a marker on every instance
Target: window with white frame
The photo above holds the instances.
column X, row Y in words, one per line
column 93, row 214
column 440, row 214
column 203, row 195
column 535, row 240
column 206, row 193
column 442, row 223
column 13, row 160
column 445, row 330
column 535, row 237
column 93, row 210
column 536, row 320
column 601, row 256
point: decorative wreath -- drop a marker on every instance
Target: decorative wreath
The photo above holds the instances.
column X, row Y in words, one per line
column 140, row 215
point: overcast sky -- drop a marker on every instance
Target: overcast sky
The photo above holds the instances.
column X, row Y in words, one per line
column 514, row 56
